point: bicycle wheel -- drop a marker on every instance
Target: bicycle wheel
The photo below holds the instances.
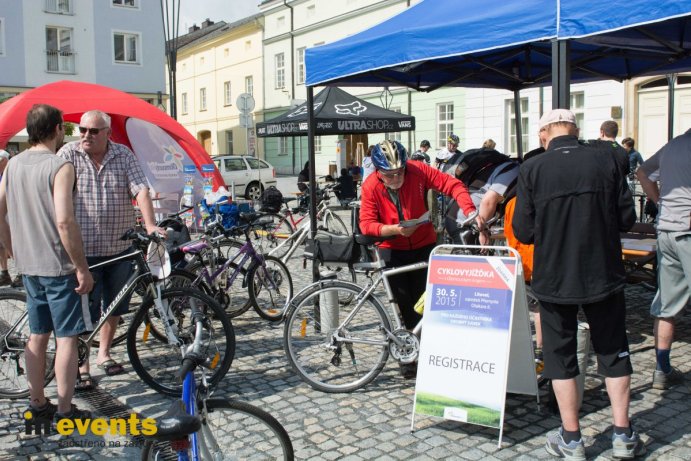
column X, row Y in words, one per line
column 271, row 288
column 326, row 362
column 334, row 224
column 232, row 430
column 234, row 299
column 14, row 334
column 277, row 231
column 157, row 360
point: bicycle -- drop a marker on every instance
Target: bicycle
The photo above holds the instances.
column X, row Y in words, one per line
column 199, row 428
column 267, row 281
column 159, row 330
column 278, row 239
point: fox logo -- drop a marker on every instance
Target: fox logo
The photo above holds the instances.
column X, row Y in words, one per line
column 303, row 110
column 354, row 108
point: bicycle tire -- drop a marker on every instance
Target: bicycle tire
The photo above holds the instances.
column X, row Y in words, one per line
column 334, row 223
column 157, row 361
column 235, row 299
column 316, row 356
column 13, row 381
column 245, row 431
column 269, row 241
column 270, row 302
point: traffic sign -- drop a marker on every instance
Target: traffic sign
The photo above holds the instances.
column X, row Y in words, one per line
column 245, row 103
column 246, row 120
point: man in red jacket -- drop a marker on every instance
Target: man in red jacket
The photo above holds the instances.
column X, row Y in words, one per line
column 395, row 193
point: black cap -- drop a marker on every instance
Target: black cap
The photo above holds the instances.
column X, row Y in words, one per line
column 425, row 143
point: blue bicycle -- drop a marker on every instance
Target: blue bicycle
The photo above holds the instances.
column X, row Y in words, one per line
column 198, row 428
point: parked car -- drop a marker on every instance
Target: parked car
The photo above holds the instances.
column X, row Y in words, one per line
column 249, row 175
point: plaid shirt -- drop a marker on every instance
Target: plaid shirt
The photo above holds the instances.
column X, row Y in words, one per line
column 103, row 203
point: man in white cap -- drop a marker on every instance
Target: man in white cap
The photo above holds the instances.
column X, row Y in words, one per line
column 570, row 186
column 5, row 278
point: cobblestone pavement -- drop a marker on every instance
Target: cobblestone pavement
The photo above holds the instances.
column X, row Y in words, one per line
column 374, row 423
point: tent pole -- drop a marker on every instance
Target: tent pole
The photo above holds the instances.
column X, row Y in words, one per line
column 519, row 131
column 561, row 74
column 671, row 78
column 311, row 125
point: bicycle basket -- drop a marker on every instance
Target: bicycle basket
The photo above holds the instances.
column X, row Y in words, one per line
column 330, row 247
column 158, row 260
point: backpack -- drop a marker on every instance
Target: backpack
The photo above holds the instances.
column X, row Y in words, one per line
column 478, row 165
column 272, row 200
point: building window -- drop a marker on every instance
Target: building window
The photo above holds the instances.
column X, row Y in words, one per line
column 229, row 142
column 227, row 97
column 317, row 144
column 126, row 3
column 126, row 48
column 249, row 85
column 311, row 11
column 397, row 135
column 510, row 128
column 248, row 45
column 281, row 22
column 577, row 106
column 59, row 53
column 282, row 146
column 183, row 103
column 280, row 71
column 444, row 123
column 2, row 36
column 226, row 52
column 202, row 99
column 301, row 65
column 59, row 6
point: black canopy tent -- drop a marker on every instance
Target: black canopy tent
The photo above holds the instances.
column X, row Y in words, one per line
column 337, row 112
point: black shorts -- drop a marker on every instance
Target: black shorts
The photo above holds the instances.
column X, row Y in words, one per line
column 607, row 321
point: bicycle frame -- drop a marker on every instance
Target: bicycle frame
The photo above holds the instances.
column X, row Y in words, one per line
column 141, row 272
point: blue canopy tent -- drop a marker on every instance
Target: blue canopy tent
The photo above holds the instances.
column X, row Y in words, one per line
column 509, row 45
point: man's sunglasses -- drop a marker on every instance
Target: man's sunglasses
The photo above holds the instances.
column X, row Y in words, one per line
column 392, row 173
column 92, row 131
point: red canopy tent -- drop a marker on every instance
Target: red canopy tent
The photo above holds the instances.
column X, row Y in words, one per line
column 75, row 98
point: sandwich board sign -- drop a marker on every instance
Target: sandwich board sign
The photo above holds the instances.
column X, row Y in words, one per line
column 473, row 324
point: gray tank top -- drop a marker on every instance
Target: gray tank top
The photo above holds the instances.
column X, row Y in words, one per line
column 31, row 214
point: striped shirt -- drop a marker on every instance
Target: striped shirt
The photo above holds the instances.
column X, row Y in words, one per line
column 103, row 204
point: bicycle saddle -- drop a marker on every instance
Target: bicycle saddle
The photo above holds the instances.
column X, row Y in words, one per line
column 176, row 423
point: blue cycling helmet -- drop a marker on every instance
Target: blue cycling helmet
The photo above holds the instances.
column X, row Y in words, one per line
column 453, row 139
column 389, row 155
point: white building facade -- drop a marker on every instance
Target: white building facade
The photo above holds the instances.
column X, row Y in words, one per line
column 116, row 43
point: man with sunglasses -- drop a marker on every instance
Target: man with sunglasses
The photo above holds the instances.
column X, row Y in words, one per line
column 109, row 176
column 396, row 193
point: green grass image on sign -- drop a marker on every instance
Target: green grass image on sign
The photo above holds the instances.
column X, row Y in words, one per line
column 444, row 407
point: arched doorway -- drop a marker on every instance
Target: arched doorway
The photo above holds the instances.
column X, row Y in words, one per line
column 204, row 138
column 653, row 112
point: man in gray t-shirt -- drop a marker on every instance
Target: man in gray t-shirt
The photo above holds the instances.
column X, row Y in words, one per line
column 673, row 165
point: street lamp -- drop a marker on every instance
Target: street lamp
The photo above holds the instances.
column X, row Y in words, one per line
column 170, row 14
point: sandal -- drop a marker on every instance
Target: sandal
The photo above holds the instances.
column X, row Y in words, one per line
column 111, row 367
column 84, row 382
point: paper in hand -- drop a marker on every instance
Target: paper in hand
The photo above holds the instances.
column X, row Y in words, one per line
column 414, row 222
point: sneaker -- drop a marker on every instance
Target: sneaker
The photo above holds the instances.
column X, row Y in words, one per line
column 555, row 445
column 74, row 414
column 17, row 282
column 46, row 412
column 5, row 279
column 662, row 380
column 408, row 370
column 624, row 447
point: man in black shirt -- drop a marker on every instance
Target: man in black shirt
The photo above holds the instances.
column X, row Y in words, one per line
column 608, row 134
column 572, row 202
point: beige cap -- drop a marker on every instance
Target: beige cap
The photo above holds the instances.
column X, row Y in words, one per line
column 556, row 116
column 4, row 154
